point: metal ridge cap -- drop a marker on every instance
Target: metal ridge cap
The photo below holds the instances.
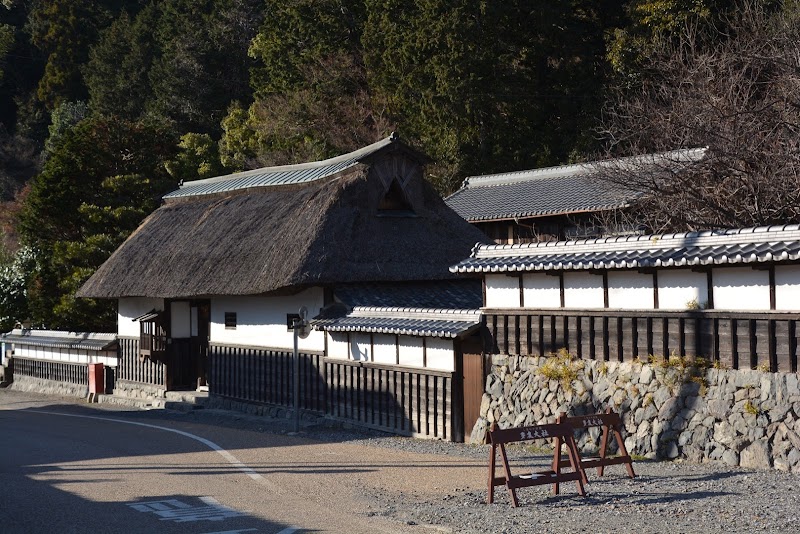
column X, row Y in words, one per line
column 573, row 169
column 558, row 171
column 355, row 155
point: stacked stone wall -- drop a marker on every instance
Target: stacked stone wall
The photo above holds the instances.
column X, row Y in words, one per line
column 49, row 387
column 671, row 409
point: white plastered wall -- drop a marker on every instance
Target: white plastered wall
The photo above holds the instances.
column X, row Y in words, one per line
column 439, row 353
column 261, row 321
column 679, row 287
column 56, row 354
column 408, row 351
column 541, row 291
column 360, row 347
column 385, row 348
column 630, row 290
column 787, row 287
column 502, row 291
column 338, row 347
column 129, row 309
column 740, row 288
column 411, row 351
column 583, row 290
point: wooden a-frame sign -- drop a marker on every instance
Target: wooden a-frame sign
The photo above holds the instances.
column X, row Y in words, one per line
column 561, row 432
column 610, row 422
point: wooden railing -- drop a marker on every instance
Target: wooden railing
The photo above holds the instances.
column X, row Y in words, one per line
column 396, row 399
column 133, row 368
column 735, row 340
column 70, row 373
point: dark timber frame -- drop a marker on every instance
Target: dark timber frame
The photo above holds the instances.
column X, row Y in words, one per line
column 736, row 340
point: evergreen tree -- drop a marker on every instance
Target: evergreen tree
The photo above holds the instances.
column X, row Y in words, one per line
column 63, row 30
column 117, row 73
column 102, row 178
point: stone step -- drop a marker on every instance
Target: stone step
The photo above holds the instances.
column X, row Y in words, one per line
column 184, row 401
column 142, row 404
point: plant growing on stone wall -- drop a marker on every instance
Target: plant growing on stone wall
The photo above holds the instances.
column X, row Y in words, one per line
column 562, row 367
column 751, row 408
column 703, row 384
column 764, row 367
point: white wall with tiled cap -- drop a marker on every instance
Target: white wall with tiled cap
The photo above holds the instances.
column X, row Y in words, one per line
column 741, row 288
column 733, row 288
column 502, row 291
column 677, row 288
column 583, row 290
column 439, row 354
column 384, row 348
column 630, row 290
column 412, row 352
column 540, row 290
column 360, row 347
column 338, row 346
column 787, row 287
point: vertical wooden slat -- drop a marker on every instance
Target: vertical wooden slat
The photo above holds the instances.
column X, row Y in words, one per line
column 783, row 360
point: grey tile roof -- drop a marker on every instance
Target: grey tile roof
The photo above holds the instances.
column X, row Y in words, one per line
column 718, row 247
column 554, row 190
column 61, row 339
column 281, row 175
column 405, row 321
column 448, row 294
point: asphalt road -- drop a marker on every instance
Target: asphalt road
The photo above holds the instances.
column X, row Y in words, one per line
column 70, row 468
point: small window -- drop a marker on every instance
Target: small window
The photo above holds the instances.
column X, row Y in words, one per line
column 394, row 202
column 230, row 320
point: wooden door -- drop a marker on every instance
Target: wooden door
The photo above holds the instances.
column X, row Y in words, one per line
column 474, row 380
column 201, row 322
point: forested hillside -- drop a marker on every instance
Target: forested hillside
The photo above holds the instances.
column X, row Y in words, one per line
column 105, row 105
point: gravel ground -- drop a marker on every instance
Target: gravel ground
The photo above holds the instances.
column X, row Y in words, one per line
column 675, row 497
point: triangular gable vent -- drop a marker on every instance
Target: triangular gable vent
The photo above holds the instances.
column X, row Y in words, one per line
column 394, row 202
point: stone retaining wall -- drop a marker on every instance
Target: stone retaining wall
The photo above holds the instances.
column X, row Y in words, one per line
column 49, row 387
column 670, row 409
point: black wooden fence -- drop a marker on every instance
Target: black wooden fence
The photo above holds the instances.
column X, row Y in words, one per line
column 735, row 340
column 392, row 398
column 69, row 373
column 135, row 369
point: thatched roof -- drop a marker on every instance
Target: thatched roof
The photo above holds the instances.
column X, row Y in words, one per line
column 279, row 238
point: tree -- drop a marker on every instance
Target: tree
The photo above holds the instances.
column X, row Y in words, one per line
column 117, row 73
column 489, row 86
column 202, row 63
column 739, row 98
column 63, row 30
column 15, row 274
column 311, row 94
column 102, row 178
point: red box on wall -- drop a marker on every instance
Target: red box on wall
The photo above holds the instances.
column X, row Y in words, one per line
column 97, row 383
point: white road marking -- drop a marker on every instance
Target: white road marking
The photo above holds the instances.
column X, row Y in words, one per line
column 179, row 512
column 210, row 444
column 288, row 530
column 236, row 531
